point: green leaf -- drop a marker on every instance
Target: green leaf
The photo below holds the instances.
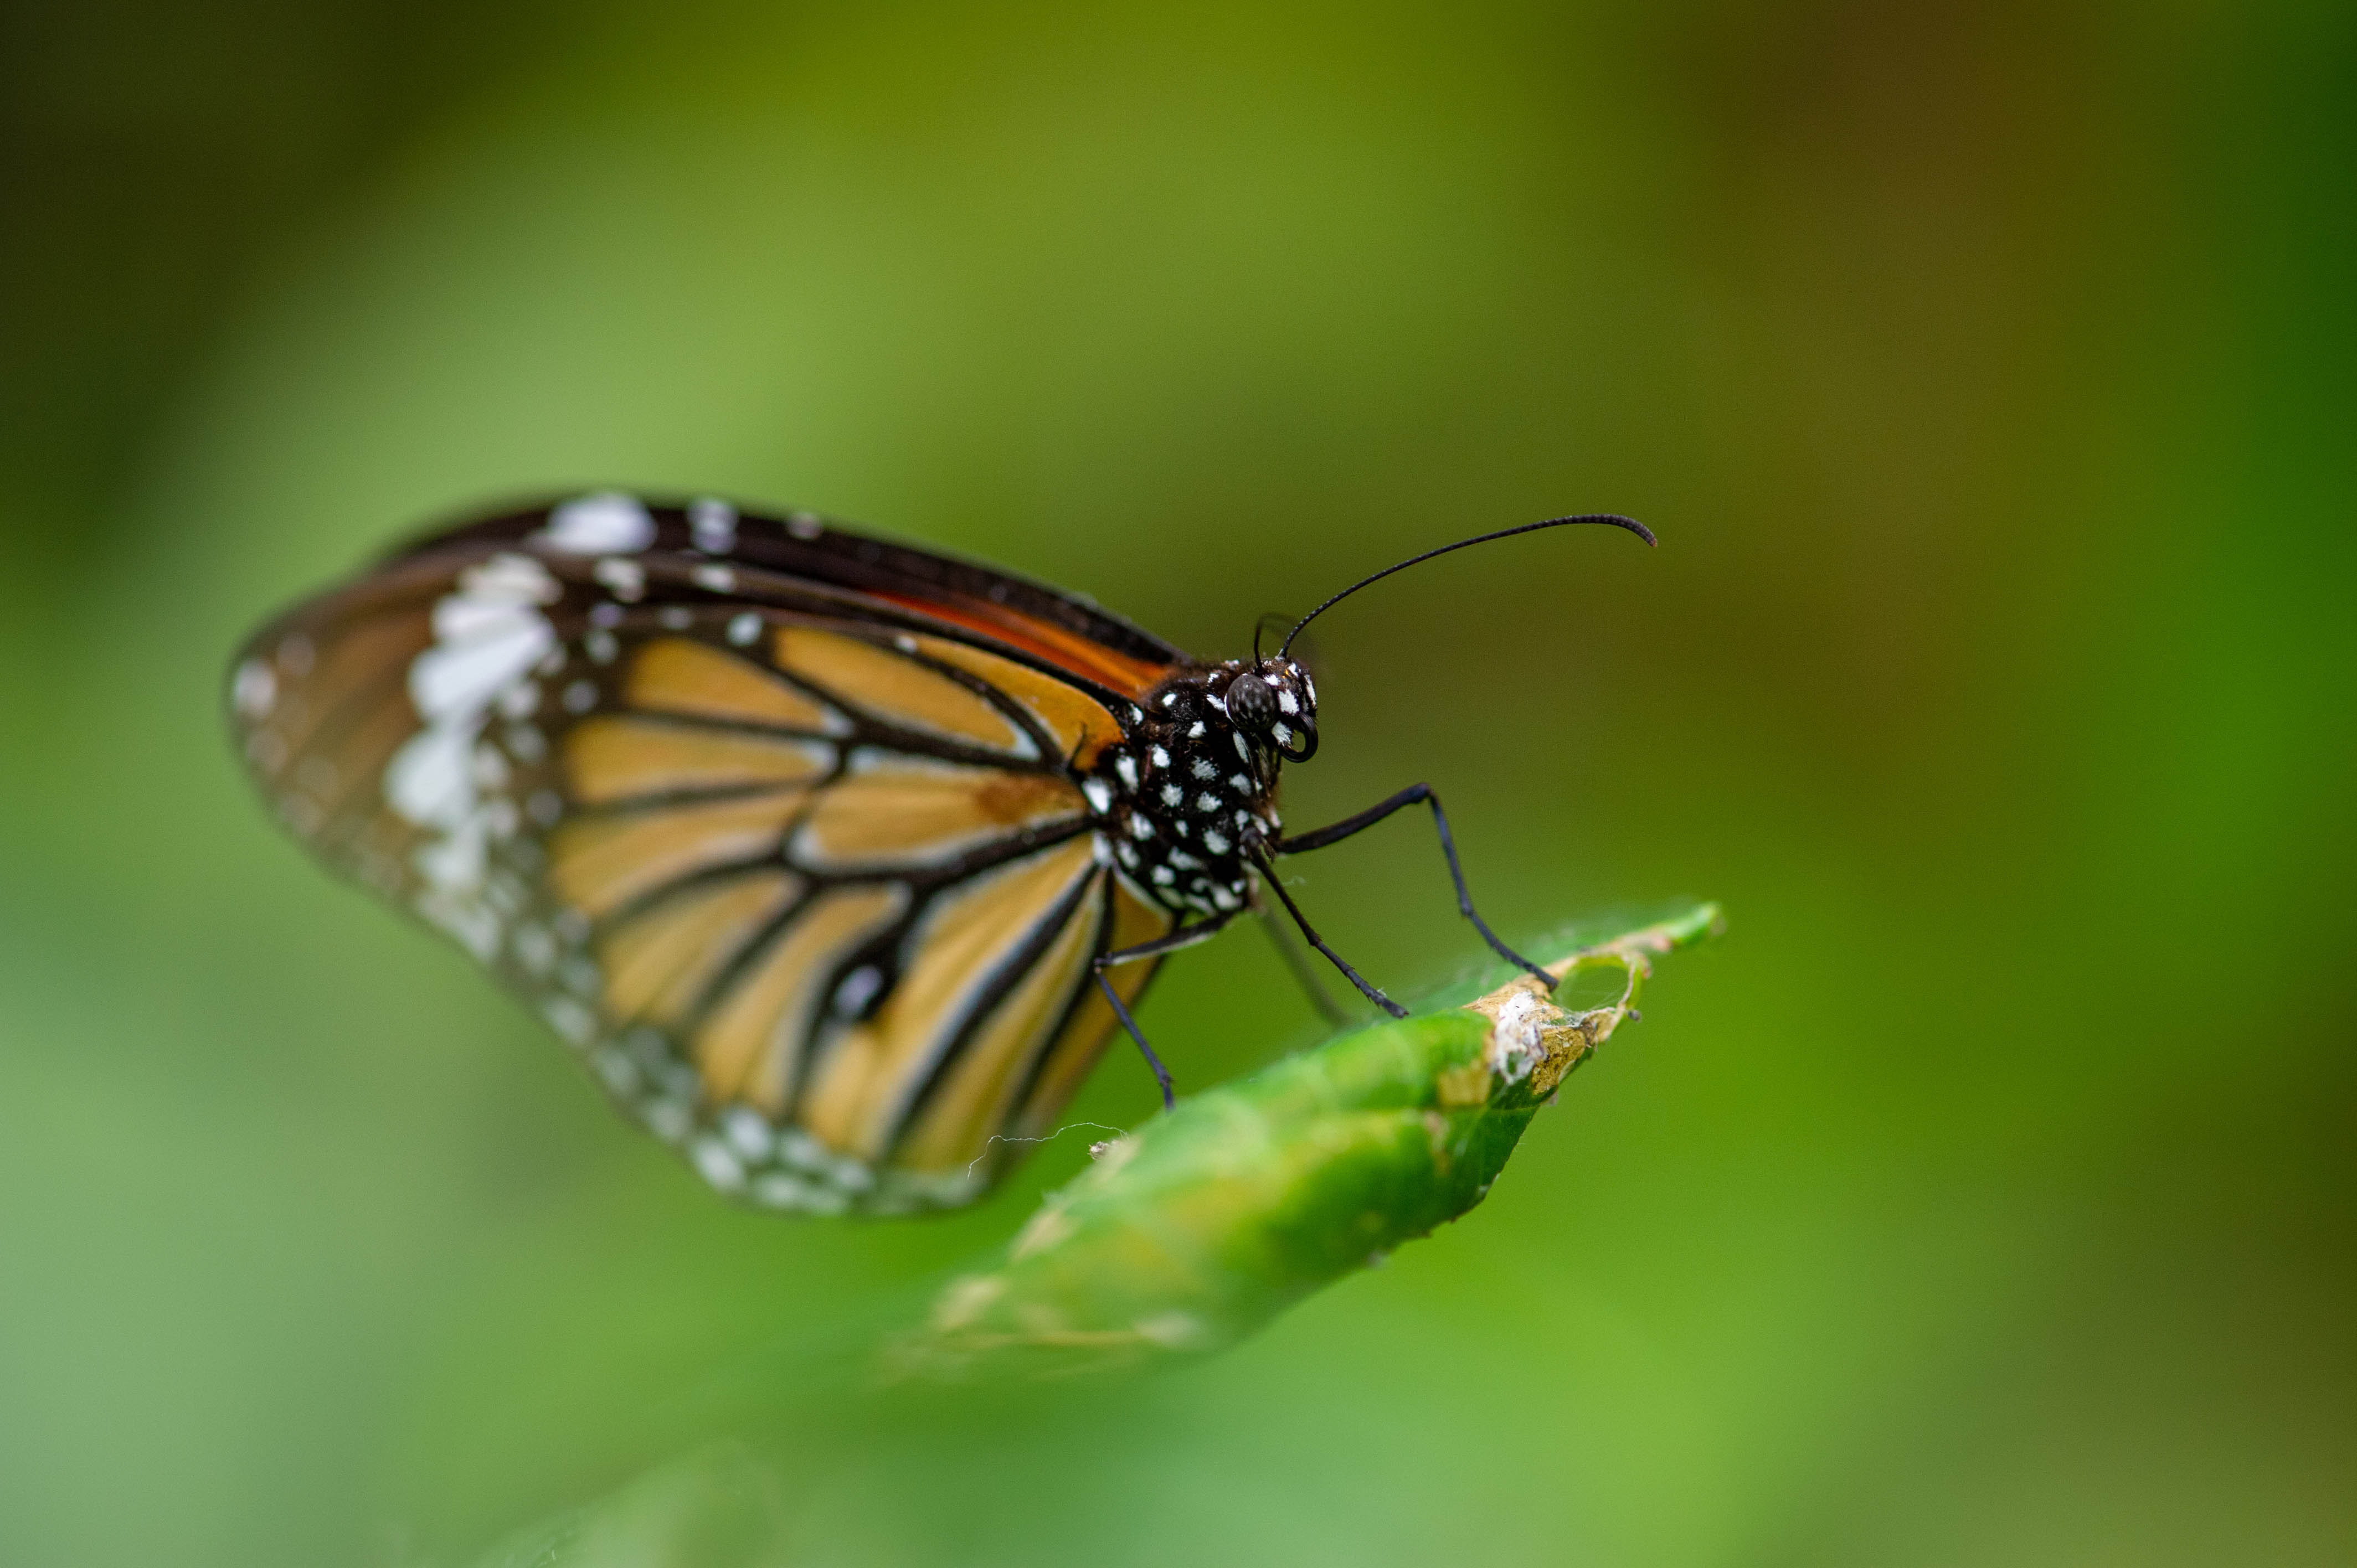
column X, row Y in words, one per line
column 1194, row 1232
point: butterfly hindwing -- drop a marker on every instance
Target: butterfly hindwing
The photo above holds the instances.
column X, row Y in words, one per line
column 804, row 873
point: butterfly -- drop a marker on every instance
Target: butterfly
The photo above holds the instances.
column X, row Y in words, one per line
column 836, row 860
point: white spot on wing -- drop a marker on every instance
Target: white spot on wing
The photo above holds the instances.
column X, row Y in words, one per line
column 857, row 988
column 601, row 524
column 714, row 524
column 462, row 678
column 627, row 579
column 535, row 949
column 749, row 1134
column 668, row 1119
column 570, row 1019
column 255, row 689
column 490, row 633
column 718, row 1163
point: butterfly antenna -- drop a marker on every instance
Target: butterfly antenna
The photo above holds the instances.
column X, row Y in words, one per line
column 1611, row 518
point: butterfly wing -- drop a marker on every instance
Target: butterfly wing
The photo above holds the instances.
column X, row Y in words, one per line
column 1064, row 632
column 801, row 868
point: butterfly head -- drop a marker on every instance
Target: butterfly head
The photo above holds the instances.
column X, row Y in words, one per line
column 1274, row 702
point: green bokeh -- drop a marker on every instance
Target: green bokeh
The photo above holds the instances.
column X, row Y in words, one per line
column 1985, row 1197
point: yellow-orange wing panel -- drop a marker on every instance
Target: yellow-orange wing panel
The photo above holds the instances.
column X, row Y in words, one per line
column 782, row 830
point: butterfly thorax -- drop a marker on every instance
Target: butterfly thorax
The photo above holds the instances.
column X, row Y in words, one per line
column 1181, row 799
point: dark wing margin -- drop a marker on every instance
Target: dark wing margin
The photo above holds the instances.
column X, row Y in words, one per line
column 1067, row 629
column 800, row 868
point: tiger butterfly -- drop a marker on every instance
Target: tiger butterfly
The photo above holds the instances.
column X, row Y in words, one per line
column 837, row 861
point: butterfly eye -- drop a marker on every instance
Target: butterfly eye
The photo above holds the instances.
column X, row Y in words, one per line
column 1250, row 703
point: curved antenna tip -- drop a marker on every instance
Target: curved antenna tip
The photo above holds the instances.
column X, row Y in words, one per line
column 1612, row 518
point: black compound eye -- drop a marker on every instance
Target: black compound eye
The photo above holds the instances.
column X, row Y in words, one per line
column 1251, row 704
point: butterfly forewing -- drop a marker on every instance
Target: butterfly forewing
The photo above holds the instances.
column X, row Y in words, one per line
column 803, row 870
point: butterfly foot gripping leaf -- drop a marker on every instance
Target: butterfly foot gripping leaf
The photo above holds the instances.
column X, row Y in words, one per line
column 1191, row 1233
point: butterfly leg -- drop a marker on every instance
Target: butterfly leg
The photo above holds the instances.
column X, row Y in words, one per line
column 1268, row 874
column 1120, row 1010
column 1185, row 937
column 1414, row 794
column 1298, row 964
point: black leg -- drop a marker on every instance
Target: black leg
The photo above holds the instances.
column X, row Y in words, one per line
column 1171, row 941
column 1320, row 838
column 1268, row 874
column 1121, row 1011
column 1299, row 964
column 1184, row 936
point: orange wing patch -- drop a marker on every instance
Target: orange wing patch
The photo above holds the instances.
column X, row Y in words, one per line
column 898, row 689
column 751, row 1048
column 617, row 756
column 971, row 1103
column 658, row 964
column 597, row 863
column 1067, row 650
column 1068, row 1062
column 864, row 1086
column 1079, row 722
column 907, row 810
column 674, row 675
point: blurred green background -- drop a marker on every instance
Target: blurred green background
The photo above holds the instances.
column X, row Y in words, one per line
column 1985, row 1197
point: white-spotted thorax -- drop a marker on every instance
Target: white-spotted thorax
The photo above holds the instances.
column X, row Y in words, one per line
column 1191, row 786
